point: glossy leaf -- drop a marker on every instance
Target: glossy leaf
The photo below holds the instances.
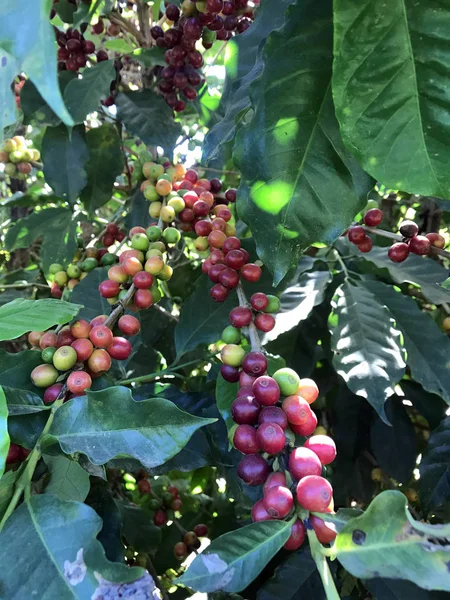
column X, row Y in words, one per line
column 397, row 589
column 34, row 52
column 68, row 481
column 233, row 560
column 23, row 402
column 83, row 94
column 35, row 108
column 4, row 437
column 225, row 394
column 66, row 567
column 20, row 316
column 104, row 165
column 147, row 115
column 389, row 84
column 65, row 154
column 8, row 70
column 385, row 543
column 366, row 346
column 299, row 183
column 152, row 431
column 202, row 320
column 150, row 57
column 7, row 482
column 434, row 468
column 432, row 371
column 138, row 529
column 16, row 368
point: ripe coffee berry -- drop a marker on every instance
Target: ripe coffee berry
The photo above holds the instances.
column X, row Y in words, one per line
column 52, row 393
column 159, row 518
column 201, row 530
column 420, row 244
column 323, row 446
column 245, row 410
column 99, row 361
column 259, row 512
column 241, row 316
column 255, row 363
column 176, row 504
column 101, row 336
column 306, row 428
column 266, row 390
column 308, row 390
column 409, row 229
column 273, row 414
column 80, row 329
column 230, row 374
column 143, row 280
column 253, row 469
column 234, row 258
column 366, row 244
column 264, row 322
column 297, row 537
column 109, row 289
column 78, row 382
column 229, row 278
column 129, row 325
column 314, row 493
column 144, row 486
column 230, row 195
column 278, row 501
column 356, row 234
column 120, row 349
column 215, row 271
column 275, row 479
column 246, row 380
column 297, row 409
column 143, row 298
column 251, row 272
column 436, row 239
column 232, row 243
column 271, row 438
column 259, row 301
column 245, row 439
column 373, row 217
column 84, row 348
column 180, row 550
column 304, row 461
column 325, row 532
column 398, row 252
column 219, row 293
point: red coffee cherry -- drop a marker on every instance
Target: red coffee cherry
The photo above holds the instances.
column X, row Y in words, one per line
column 234, row 258
column 398, row 252
column 14, row 454
column 251, row 272
column 52, row 393
column 219, row 293
column 215, row 271
column 180, row 549
column 78, row 382
column 143, row 298
column 308, row 390
column 325, row 532
column 230, row 195
column 274, row 480
column 176, row 504
column 232, row 243
column 408, row 229
column 436, row 239
column 278, row 501
column 48, row 340
column 373, row 217
column 253, row 469
column 201, row 530
column 80, row 329
column 297, row 409
column 245, row 379
column 101, row 336
column 323, row 446
column 304, row 461
column 245, row 390
column 99, row 361
column 65, row 338
column 271, row 438
column 266, row 390
column 273, row 414
column 143, row 280
column 99, row 320
column 120, row 349
column 241, row 316
column 129, row 325
column 230, row 374
column 245, row 439
column 259, row 301
column 314, row 493
column 259, row 513
column 245, row 410
column 144, row 486
column 109, row 289
column 83, row 347
column 305, row 429
column 255, row 363
column 229, row 278
column 264, row 322
column 297, row 537
column 112, row 229
column 420, row 244
column 366, row 245
column 159, row 518
column 356, row 234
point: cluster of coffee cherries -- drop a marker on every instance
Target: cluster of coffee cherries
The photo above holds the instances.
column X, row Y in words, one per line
column 16, row 156
column 140, row 266
column 269, row 412
column 161, row 504
column 398, row 252
column 207, row 21
column 74, row 51
column 79, row 353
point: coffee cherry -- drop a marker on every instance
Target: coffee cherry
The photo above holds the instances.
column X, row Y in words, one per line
column 245, row 390
column 232, row 355
column 436, row 239
column 251, row 272
column 297, row 409
column 99, row 361
column 217, row 239
column 366, row 244
column 99, row 320
column 132, row 265
column 246, row 380
column 273, row 414
column 278, row 501
column 253, row 469
column 159, row 518
column 408, row 229
column 201, row 530
column 234, row 258
column 314, row 493
column 255, row 363
column 232, row 243
column 230, row 374
column 143, row 298
column 64, row 358
column 308, row 390
column 326, row 532
column 52, row 393
column 14, row 454
column 144, row 486
column 373, row 217
column 101, row 336
column 446, row 324
column 44, row 375
column 264, row 322
column 230, row 195
column 356, row 234
column 65, row 338
column 266, row 390
column 245, row 439
column 48, row 340
column 241, row 316
column 34, row 337
column 215, row 271
column 109, row 289
column 398, row 252
column 288, row 380
column 78, row 382
column 271, row 438
column 219, row 293
column 143, row 280
column 323, row 446
column 297, row 537
column 154, row 265
column 275, row 479
column 120, row 349
column 303, row 462
column 180, row 549
column 83, row 347
column 231, row 335
column 259, row 513
column 259, row 301
column 80, row 329
column 129, row 325
column 229, row 278
column 176, row 504
column 48, row 354
column 420, row 244
column 245, row 410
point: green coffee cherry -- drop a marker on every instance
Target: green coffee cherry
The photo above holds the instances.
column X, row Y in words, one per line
column 61, row 278
column 288, row 381
column 171, row 235
column 158, row 246
column 139, row 241
column 47, row 355
column 108, row 259
column 153, row 252
column 150, row 193
column 89, row 264
column 232, row 355
column 274, row 304
column 156, row 171
column 156, row 293
column 73, row 272
column 231, row 335
column 54, row 268
column 163, row 159
column 153, row 233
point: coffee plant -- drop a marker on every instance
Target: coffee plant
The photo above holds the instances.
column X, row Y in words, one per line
column 224, row 300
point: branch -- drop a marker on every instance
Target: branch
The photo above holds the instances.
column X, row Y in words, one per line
column 144, row 20
column 127, row 26
column 398, row 238
column 120, row 309
column 151, row 569
column 252, row 331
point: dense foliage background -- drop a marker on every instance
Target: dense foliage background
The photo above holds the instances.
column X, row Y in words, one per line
column 316, row 112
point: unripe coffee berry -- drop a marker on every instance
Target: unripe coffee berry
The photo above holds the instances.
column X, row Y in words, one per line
column 288, row 380
column 308, row 390
column 231, row 335
column 232, row 355
column 64, row 358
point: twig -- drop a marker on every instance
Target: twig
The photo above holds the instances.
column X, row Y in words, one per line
column 159, row 374
column 225, row 172
column 322, row 566
column 399, row 238
column 22, row 286
column 252, row 331
column 119, row 310
column 144, row 20
column 165, row 312
column 122, row 147
column 36, row 165
column 127, row 26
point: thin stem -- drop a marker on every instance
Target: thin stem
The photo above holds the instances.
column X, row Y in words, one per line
column 322, row 566
column 152, row 376
column 151, row 569
column 398, row 238
column 122, row 147
column 119, row 310
column 144, row 20
column 225, row 172
column 342, row 264
column 255, row 342
column 22, row 286
column 127, row 26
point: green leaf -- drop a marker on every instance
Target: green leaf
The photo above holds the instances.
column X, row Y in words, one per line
column 430, row 406
column 233, row 560
column 138, row 529
column 118, row 45
column 65, row 154
column 104, row 165
column 65, row 10
column 366, row 346
column 35, row 107
column 66, row 566
column 83, row 94
column 85, row 12
column 201, row 319
column 434, row 482
column 23, row 402
column 58, row 228
column 152, row 431
column 299, row 184
column 8, row 112
column 147, row 115
column 16, row 368
column 385, row 543
column 7, row 482
column 34, row 51
column 4, row 437
column 298, row 300
column 432, row 371
column 388, row 81
column 397, row 589
column 87, row 292
column 68, row 481
column 225, row 394
column 150, row 57
column 19, row 316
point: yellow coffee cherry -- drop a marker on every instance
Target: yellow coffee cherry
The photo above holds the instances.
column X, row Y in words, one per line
column 36, row 155
column 166, row 273
column 201, row 244
column 177, row 204
column 179, row 172
column 230, row 230
column 9, row 145
column 167, row 214
column 320, row 430
column 163, row 187
column 446, row 324
column 155, row 209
